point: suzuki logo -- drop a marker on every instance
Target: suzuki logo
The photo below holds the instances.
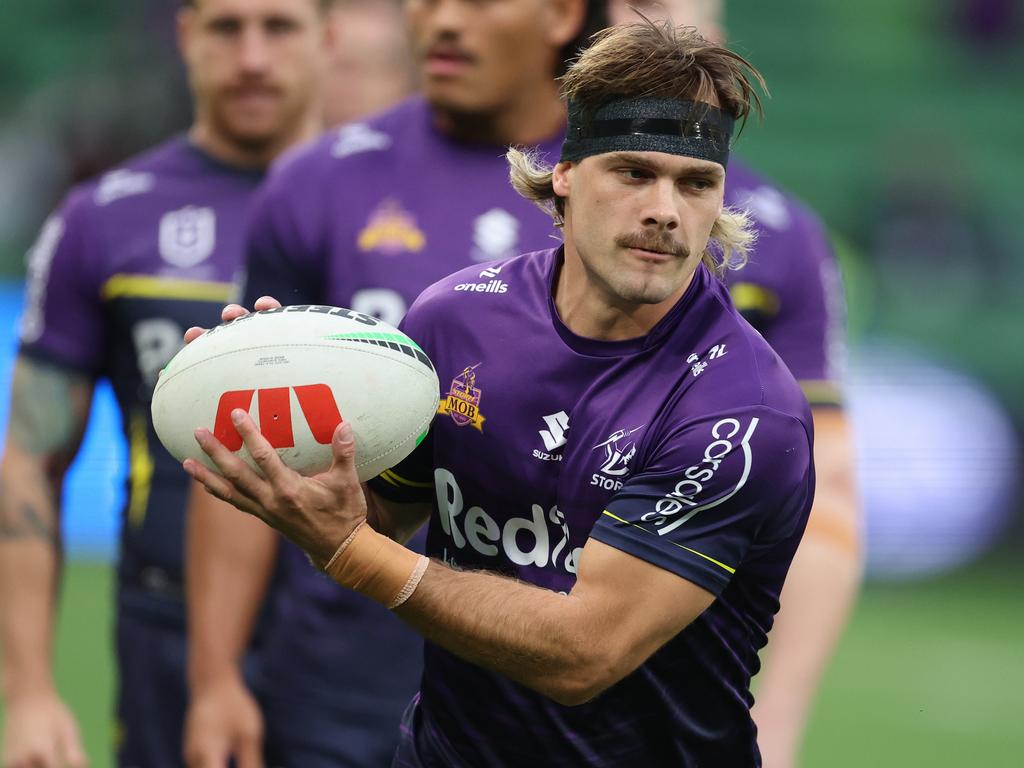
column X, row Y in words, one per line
column 275, row 414
column 554, row 435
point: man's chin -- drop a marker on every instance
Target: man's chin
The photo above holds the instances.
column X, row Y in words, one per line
column 454, row 96
column 252, row 135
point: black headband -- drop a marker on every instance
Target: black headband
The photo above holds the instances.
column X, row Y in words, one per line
column 688, row 128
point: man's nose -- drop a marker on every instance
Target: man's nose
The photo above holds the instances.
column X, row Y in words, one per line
column 254, row 55
column 661, row 209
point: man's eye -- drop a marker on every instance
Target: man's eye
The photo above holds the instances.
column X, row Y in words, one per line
column 280, row 26
column 635, row 173
column 225, row 26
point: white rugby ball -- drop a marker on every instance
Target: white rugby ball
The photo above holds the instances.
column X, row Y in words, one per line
column 299, row 371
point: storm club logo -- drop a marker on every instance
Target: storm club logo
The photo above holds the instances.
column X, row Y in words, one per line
column 391, row 230
column 462, row 402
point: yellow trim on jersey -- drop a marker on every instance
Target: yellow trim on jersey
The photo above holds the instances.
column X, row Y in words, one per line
column 821, row 392
column 125, row 286
column 140, row 469
column 694, row 551
column 389, row 476
column 750, row 296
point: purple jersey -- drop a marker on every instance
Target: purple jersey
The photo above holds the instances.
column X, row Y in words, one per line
column 790, row 290
column 126, row 264
column 689, row 448
column 366, row 218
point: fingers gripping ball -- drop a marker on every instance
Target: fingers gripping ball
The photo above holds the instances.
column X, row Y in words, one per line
column 298, row 371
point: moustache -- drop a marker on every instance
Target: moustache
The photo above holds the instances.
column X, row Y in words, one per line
column 662, row 243
column 247, row 88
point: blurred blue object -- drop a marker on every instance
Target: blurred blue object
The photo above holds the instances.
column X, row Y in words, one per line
column 938, row 461
column 94, row 491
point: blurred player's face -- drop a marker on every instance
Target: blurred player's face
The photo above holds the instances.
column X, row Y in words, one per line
column 705, row 15
column 255, row 67
column 478, row 56
column 639, row 222
column 371, row 64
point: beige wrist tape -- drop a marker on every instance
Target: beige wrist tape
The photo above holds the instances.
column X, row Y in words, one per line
column 374, row 565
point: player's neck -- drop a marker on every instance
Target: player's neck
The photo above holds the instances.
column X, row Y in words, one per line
column 537, row 115
column 250, row 156
column 589, row 309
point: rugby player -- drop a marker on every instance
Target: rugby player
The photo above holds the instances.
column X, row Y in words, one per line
column 791, row 292
column 126, row 263
column 367, row 218
column 604, row 608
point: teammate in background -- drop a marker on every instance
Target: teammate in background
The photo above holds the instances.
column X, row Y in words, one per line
column 367, row 218
column 617, row 623
column 791, row 292
column 371, row 67
column 125, row 264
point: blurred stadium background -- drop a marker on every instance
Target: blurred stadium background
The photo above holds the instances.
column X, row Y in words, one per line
column 900, row 121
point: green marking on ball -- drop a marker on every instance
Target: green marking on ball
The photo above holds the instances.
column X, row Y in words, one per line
column 397, row 338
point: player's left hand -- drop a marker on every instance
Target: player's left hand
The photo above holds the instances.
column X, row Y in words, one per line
column 317, row 513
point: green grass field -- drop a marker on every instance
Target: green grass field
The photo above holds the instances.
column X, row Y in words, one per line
column 929, row 674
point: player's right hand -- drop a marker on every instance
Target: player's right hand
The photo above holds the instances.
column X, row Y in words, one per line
column 41, row 732
column 223, row 722
column 232, row 312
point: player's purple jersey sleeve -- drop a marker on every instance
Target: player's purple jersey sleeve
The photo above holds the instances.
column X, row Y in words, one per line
column 791, row 291
column 719, row 489
column 285, row 252
column 63, row 318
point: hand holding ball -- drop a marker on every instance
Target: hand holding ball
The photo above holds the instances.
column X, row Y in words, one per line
column 299, row 371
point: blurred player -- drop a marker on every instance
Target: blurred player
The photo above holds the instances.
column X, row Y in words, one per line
column 601, row 603
column 127, row 262
column 367, row 218
column 371, row 65
column 791, row 292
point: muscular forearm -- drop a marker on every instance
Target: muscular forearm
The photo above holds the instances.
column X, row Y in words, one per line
column 230, row 558
column 537, row 637
column 49, row 409
column 29, row 569
column 543, row 639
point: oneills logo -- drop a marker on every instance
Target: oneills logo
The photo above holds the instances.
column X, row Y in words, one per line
column 391, row 230
column 462, row 402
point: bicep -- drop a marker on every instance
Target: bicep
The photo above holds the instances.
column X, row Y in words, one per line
column 49, row 409
column 635, row 607
column 836, row 511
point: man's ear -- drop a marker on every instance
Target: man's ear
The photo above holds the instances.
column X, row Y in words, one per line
column 564, row 20
column 561, row 178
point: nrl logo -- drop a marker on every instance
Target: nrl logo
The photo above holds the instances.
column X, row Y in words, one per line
column 188, row 236
column 462, row 402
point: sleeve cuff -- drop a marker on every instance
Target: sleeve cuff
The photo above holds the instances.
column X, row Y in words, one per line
column 690, row 564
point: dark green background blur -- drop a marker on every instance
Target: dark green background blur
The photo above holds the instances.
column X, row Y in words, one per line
column 900, row 121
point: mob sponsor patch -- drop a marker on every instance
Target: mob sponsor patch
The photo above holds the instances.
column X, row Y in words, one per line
column 462, row 402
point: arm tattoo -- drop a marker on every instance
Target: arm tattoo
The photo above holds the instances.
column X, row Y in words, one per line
column 26, row 523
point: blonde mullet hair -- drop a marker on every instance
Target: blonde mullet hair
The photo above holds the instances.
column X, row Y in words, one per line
column 732, row 235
